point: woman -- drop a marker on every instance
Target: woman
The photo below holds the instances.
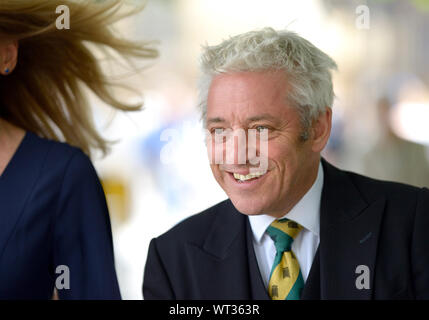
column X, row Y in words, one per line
column 54, row 224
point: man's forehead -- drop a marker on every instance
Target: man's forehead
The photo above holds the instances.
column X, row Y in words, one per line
column 248, row 118
column 247, row 97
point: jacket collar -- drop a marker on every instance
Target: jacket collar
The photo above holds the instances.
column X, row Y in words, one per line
column 227, row 226
column 17, row 183
column 349, row 231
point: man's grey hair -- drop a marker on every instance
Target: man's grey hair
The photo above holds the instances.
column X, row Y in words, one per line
column 308, row 69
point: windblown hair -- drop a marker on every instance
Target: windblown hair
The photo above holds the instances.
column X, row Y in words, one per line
column 308, row 69
column 44, row 93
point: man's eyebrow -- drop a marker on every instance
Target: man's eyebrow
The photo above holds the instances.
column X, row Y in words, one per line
column 264, row 116
column 215, row 120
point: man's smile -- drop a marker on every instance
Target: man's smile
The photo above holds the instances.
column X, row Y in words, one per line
column 246, row 181
column 255, row 175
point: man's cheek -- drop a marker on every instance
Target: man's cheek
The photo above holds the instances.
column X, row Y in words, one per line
column 258, row 151
column 217, row 173
column 215, row 153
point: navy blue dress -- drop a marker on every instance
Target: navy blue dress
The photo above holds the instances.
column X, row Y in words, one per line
column 53, row 213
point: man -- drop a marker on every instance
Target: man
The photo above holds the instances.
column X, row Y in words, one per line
column 296, row 227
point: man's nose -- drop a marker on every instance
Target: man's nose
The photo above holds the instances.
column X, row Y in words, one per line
column 237, row 148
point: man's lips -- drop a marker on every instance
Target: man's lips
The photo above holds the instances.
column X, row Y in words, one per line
column 239, row 171
column 244, row 171
column 246, row 175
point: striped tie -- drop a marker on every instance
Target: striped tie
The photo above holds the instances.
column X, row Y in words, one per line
column 286, row 280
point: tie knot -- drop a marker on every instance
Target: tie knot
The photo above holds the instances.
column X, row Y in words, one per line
column 283, row 232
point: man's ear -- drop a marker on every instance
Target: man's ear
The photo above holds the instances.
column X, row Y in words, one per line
column 321, row 130
column 8, row 56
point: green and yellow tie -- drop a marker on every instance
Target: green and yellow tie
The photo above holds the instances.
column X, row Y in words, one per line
column 286, row 280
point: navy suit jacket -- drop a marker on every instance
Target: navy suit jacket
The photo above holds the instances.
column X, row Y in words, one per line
column 53, row 213
column 378, row 224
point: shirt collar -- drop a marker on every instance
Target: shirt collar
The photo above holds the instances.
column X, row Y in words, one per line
column 306, row 212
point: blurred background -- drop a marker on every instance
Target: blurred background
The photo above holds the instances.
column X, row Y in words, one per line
column 158, row 174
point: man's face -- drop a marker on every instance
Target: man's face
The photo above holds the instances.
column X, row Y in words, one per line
column 258, row 100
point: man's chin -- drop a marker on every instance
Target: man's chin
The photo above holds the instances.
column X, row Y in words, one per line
column 247, row 208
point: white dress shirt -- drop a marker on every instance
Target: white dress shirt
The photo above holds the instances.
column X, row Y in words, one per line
column 307, row 213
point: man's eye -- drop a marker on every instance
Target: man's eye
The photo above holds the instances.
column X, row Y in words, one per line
column 261, row 128
column 218, row 130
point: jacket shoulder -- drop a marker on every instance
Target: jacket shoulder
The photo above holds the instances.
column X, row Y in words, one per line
column 57, row 155
column 55, row 149
column 195, row 228
column 372, row 189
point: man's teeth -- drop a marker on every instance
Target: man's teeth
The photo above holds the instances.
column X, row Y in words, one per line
column 248, row 176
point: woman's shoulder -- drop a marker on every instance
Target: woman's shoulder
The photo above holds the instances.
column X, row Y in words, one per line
column 56, row 154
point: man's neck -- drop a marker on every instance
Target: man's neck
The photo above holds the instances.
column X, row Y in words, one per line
column 299, row 195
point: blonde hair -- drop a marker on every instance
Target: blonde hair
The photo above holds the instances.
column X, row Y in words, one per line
column 44, row 92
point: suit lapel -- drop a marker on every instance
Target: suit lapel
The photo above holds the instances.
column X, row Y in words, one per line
column 222, row 260
column 311, row 289
column 17, row 183
column 258, row 290
column 349, row 231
